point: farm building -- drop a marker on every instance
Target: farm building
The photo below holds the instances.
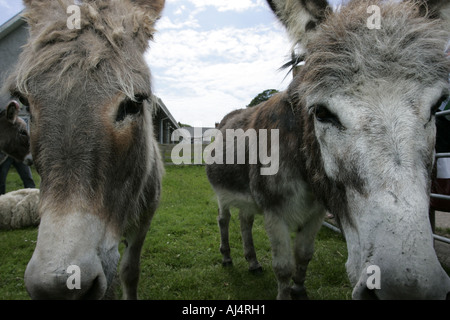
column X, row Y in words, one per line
column 201, row 135
column 14, row 35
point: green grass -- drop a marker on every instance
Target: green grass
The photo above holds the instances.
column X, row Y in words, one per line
column 181, row 258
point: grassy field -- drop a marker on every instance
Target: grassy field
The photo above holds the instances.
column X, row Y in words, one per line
column 181, row 258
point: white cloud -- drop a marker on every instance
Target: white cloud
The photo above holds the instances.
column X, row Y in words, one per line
column 203, row 75
column 203, row 70
column 180, row 10
column 229, row 5
column 4, row 4
column 9, row 9
column 167, row 23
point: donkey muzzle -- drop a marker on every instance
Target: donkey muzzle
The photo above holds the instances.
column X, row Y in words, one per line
column 75, row 257
column 79, row 281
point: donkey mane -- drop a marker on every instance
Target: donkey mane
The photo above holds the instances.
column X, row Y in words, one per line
column 409, row 46
column 110, row 30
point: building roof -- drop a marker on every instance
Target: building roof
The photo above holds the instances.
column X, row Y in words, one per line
column 11, row 25
column 167, row 112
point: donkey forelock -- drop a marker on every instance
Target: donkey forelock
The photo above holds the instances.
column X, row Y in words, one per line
column 112, row 37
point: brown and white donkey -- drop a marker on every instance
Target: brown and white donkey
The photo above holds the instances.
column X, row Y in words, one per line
column 356, row 137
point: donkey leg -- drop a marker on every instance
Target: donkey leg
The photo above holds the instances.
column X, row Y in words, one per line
column 246, row 220
column 282, row 259
column 303, row 252
column 130, row 264
column 223, row 220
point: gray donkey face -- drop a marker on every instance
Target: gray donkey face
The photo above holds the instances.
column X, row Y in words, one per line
column 381, row 149
column 92, row 141
column 369, row 97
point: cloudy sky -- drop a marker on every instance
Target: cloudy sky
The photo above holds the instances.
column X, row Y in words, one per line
column 210, row 57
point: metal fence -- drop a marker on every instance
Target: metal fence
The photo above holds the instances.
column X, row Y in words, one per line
column 436, row 195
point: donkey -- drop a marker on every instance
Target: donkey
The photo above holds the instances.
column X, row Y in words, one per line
column 356, row 138
column 89, row 92
column 14, row 138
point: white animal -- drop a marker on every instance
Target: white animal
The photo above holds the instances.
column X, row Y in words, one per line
column 18, row 209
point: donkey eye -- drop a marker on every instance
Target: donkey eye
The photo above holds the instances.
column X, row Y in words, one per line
column 23, row 100
column 21, row 97
column 436, row 106
column 129, row 107
column 140, row 98
column 324, row 115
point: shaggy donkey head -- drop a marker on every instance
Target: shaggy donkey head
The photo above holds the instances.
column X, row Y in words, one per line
column 368, row 97
column 88, row 88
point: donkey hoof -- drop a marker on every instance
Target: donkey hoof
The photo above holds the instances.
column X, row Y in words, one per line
column 227, row 263
column 299, row 293
column 256, row 271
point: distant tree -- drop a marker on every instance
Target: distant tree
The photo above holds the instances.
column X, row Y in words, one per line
column 183, row 125
column 263, row 96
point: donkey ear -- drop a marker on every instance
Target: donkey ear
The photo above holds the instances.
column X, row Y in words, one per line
column 153, row 7
column 300, row 17
column 12, row 110
column 31, row 3
column 38, row 10
column 437, row 9
column 151, row 11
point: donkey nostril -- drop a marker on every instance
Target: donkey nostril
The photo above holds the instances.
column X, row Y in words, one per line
column 93, row 292
column 370, row 295
column 448, row 296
